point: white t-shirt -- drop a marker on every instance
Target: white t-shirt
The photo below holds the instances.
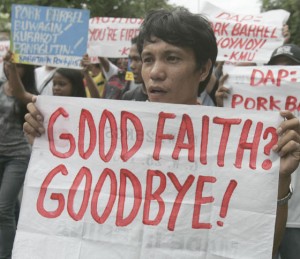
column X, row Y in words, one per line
column 44, row 76
column 112, row 70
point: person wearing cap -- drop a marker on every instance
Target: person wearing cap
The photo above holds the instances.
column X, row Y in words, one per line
column 286, row 55
column 289, row 55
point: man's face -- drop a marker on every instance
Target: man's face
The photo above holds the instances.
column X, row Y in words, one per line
column 169, row 72
column 122, row 63
column 135, row 64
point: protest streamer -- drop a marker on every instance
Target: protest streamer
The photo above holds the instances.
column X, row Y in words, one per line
column 263, row 88
column 49, row 36
column 157, row 181
column 111, row 37
column 246, row 37
column 4, row 47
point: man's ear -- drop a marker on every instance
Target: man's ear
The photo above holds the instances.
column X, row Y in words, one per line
column 205, row 70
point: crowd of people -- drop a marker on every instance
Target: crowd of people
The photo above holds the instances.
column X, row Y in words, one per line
column 173, row 60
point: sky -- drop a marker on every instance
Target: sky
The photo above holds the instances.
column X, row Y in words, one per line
column 239, row 6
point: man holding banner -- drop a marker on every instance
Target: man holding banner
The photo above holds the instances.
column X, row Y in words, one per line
column 289, row 55
column 178, row 51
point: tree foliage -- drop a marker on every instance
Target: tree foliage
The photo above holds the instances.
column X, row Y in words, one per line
column 292, row 6
column 101, row 8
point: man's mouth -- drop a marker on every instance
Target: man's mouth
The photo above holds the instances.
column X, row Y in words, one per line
column 156, row 90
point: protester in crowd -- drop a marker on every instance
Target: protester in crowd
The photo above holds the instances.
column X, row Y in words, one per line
column 139, row 93
column 43, row 78
column 222, row 91
column 178, row 51
column 285, row 55
column 289, row 55
column 68, row 82
column 66, row 79
column 116, row 83
column 207, row 97
column 14, row 148
column 93, row 78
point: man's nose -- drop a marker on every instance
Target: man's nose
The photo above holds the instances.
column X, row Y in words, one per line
column 158, row 71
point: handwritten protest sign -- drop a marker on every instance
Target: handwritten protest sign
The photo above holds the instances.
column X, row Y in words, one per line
column 49, row 36
column 263, row 88
column 151, row 181
column 110, row 36
column 246, row 38
column 4, row 47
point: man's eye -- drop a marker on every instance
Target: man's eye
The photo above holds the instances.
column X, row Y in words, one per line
column 147, row 59
column 172, row 58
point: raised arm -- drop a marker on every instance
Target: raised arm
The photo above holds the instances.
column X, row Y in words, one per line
column 85, row 63
column 14, row 79
column 288, row 148
column 105, row 63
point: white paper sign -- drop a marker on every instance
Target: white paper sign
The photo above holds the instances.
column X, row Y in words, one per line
column 111, row 37
column 149, row 181
column 263, row 88
column 4, row 47
column 246, row 38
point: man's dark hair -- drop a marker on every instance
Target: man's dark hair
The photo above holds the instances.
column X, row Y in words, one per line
column 134, row 40
column 184, row 29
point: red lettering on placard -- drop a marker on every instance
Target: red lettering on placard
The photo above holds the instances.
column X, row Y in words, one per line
column 252, row 146
column 234, row 17
column 182, row 190
column 128, row 34
column 139, row 135
column 97, row 34
column 186, row 129
column 267, row 164
column 54, row 196
column 137, row 198
column 227, row 123
column 86, row 117
column 112, row 196
column 199, row 200
column 258, row 77
column 53, row 118
column 292, row 103
column 204, row 139
column 220, row 28
column 154, row 196
column 226, row 199
column 258, row 103
column 129, row 202
column 112, row 35
column 84, row 172
column 160, row 132
column 107, row 116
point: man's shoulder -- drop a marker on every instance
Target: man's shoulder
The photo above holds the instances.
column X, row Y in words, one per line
column 135, row 94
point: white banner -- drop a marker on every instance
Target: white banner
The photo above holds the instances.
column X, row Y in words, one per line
column 246, row 37
column 111, row 37
column 263, row 88
column 149, row 181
